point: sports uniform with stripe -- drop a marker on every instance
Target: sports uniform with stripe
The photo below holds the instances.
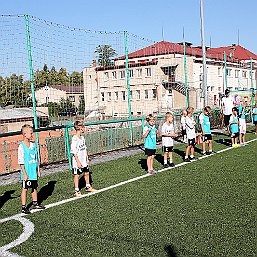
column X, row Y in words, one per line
column 150, row 140
column 205, row 122
column 167, row 142
column 190, row 130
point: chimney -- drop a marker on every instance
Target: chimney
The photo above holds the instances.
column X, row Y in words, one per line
column 232, row 51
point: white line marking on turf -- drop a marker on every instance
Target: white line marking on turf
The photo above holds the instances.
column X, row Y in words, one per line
column 29, row 226
column 28, row 229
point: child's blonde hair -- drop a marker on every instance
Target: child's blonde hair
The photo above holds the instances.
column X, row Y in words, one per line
column 190, row 110
column 24, row 127
column 168, row 114
column 78, row 124
column 149, row 117
column 184, row 112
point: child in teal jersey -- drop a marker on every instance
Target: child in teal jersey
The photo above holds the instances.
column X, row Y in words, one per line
column 206, row 129
column 149, row 135
column 234, row 127
column 255, row 117
column 29, row 173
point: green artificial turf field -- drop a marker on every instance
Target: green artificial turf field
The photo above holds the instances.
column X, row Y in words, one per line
column 204, row 208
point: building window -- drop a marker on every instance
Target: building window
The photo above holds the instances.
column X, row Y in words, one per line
column 148, row 72
column 201, row 77
column 131, row 94
column 219, row 89
column 116, row 96
column 244, row 74
column 154, row 93
column 114, row 75
column 122, row 74
column 146, row 94
column 109, row 96
column 212, row 88
column 106, row 76
column 131, row 73
column 236, row 73
column 102, row 96
column 90, row 77
column 228, row 72
column 123, row 95
column 139, row 73
column 138, row 94
column 219, row 71
column 72, row 98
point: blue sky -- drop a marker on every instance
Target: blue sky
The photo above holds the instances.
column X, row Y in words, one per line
column 223, row 18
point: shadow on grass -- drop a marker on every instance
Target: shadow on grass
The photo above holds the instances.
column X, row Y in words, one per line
column 159, row 158
column 226, row 142
column 6, row 197
column 45, row 192
column 143, row 163
column 170, row 250
column 179, row 152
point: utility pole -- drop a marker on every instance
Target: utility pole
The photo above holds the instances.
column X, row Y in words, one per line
column 205, row 87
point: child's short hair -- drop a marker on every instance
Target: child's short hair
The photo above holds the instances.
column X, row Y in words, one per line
column 78, row 124
column 184, row 112
column 149, row 117
column 24, row 127
column 190, row 110
column 207, row 108
column 234, row 109
column 168, row 114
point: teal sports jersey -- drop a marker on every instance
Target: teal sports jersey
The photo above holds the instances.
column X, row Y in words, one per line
column 150, row 140
column 255, row 115
column 30, row 162
column 234, row 127
column 241, row 112
column 205, row 122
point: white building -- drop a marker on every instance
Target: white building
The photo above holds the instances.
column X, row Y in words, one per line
column 157, row 79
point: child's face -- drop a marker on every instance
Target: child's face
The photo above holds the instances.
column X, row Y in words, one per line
column 235, row 112
column 28, row 133
column 152, row 122
column 82, row 128
column 184, row 114
column 170, row 118
column 190, row 114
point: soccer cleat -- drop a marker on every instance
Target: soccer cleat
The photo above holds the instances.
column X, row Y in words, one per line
column 25, row 210
column 90, row 189
column 166, row 165
column 38, row 206
column 194, row 159
column 171, row 164
column 77, row 193
column 187, row 160
column 237, row 145
column 152, row 172
column 203, row 153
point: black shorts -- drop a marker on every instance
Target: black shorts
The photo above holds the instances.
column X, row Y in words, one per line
column 226, row 119
column 167, row 149
column 77, row 171
column 184, row 132
column 234, row 135
column 191, row 142
column 255, row 122
column 206, row 137
column 150, row 152
column 29, row 184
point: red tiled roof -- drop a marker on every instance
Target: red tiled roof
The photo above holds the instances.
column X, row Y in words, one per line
column 163, row 47
column 69, row 89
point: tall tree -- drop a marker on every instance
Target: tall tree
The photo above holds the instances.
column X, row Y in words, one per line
column 105, row 55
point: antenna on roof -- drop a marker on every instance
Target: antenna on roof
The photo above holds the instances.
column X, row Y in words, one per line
column 210, row 41
column 238, row 37
column 162, row 33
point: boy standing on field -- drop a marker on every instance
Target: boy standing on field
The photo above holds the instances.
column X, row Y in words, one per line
column 149, row 135
column 191, row 135
column 29, row 173
column 234, row 127
column 80, row 159
column 167, row 140
column 255, row 117
column 183, row 124
column 206, row 129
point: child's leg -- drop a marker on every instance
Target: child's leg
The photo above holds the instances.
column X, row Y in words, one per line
column 210, row 145
column 192, row 152
column 87, row 179
column 149, row 163
column 23, row 196
column 236, row 139
column 187, row 151
column 76, row 182
column 171, row 157
column 241, row 138
column 34, row 195
column 204, row 147
column 165, row 157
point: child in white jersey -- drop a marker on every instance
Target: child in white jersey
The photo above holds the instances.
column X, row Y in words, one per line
column 167, row 140
column 80, row 159
column 183, row 124
column 191, row 135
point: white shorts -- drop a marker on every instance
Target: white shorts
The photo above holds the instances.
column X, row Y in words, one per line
column 242, row 126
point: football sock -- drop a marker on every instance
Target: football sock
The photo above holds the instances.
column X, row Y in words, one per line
column 88, row 185
column 76, row 189
column 165, row 161
column 171, row 161
column 23, row 206
column 186, row 157
column 192, row 156
column 34, row 203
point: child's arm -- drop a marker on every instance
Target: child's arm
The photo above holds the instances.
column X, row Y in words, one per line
column 146, row 133
column 24, row 172
column 78, row 161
